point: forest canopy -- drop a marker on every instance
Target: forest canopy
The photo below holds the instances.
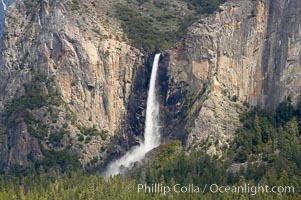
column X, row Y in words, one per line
column 266, row 150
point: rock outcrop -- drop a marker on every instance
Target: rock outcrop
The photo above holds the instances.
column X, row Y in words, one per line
column 246, row 53
column 91, row 71
column 70, row 81
column 3, row 7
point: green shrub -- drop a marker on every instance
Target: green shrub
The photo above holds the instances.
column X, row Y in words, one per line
column 81, row 138
column 39, row 130
column 34, row 96
column 234, row 98
column 56, row 137
column 142, row 29
column 93, row 132
column 64, row 159
column 206, row 6
column 88, row 139
column 104, row 134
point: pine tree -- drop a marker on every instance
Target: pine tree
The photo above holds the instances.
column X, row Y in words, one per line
column 21, row 193
column 257, row 140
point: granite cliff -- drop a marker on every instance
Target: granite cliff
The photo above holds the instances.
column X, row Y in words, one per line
column 73, row 56
column 69, row 56
column 245, row 54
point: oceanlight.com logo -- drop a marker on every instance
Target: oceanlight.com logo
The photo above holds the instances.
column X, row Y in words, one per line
column 158, row 188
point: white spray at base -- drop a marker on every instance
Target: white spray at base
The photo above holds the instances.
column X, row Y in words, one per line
column 151, row 131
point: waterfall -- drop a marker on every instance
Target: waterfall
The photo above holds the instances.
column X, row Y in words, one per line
column 3, row 8
column 4, row 5
column 151, row 131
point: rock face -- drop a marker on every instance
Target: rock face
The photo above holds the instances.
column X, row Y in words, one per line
column 92, row 72
column 69, row 82
column 247, row 52
column 3, row 7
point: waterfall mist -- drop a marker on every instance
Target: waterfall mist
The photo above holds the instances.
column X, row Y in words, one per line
column 151, row 131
